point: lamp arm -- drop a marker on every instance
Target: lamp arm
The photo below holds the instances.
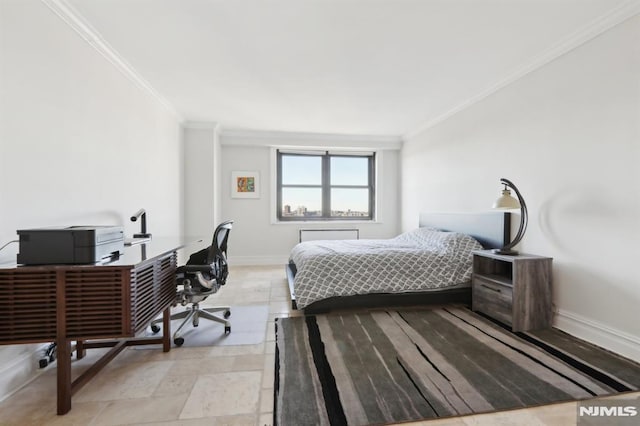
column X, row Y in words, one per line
column 524, row 215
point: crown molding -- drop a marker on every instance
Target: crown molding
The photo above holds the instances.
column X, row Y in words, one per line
column 307, row 140
column 605, row 22
column 79, row 24
column 205, row 125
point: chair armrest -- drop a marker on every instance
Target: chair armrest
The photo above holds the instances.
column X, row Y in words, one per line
column 209, row 284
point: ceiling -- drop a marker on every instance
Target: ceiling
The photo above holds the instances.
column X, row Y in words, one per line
column 363, row 67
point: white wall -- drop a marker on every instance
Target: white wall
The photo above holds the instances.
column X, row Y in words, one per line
column 199, row 179
column 80, row 144
column 568, row 135
column 256, row 239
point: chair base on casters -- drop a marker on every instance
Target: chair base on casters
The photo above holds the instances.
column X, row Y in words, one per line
column 194, row 313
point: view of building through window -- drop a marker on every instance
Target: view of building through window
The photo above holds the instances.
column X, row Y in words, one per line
column 325, row 186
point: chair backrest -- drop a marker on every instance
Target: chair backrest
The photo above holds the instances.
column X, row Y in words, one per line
column 218, row 248
column 210, row 261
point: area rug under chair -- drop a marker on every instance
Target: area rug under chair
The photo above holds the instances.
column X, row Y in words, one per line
column 383, row 367
column 247, row 328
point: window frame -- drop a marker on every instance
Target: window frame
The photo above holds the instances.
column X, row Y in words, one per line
column 325, row 186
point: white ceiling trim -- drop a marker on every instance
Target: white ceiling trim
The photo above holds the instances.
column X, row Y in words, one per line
column 72, row 17
column 308, row 140
column 210, row 125
column 590, row 31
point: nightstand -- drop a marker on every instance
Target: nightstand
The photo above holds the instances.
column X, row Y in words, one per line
column 515, row 290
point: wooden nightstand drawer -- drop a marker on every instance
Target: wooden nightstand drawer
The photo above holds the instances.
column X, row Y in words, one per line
column 492, row 298
column 513, row 289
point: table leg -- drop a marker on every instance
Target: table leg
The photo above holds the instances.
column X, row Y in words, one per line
column 166, row 330
column 64, row 375
column 80, row 350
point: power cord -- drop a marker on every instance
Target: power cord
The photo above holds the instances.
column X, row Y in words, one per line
column 12, row 241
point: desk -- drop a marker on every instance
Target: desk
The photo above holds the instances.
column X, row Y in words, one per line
column 98, row 305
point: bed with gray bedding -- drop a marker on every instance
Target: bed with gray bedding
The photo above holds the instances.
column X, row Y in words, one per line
column 431, row 264
column 418, row 260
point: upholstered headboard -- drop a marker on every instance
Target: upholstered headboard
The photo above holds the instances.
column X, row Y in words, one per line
column 491, row 229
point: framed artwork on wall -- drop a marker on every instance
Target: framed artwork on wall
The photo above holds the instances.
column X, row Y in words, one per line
column 245, row 184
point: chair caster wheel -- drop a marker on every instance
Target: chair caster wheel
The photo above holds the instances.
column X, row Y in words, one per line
column 155, row 328
column 227, row 329
column 227, row 314
column 179, row 341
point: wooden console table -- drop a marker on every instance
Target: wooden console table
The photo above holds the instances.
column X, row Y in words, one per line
column 97, row 306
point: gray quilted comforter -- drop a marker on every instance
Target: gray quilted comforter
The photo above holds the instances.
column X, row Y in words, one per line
column 417, row 260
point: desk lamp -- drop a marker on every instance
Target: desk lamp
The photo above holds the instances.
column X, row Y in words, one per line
column 507, row 202
column 143, row 224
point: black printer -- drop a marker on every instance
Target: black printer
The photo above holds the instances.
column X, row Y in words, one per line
column 70, row 245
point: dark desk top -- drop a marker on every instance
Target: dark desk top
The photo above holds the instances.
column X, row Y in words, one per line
column 132, row 256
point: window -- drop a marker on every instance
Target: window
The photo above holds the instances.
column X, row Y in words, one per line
column 325, row 186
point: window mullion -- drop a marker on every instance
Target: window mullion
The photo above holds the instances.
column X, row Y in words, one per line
column 372, row 182
column 326, row 186
column 279, row 184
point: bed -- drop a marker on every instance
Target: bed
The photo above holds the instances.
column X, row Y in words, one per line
column 429, row 265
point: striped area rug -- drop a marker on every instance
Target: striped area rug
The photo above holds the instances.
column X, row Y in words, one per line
column 383, row 367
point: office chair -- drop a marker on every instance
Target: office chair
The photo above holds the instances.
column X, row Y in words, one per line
column 202, row 276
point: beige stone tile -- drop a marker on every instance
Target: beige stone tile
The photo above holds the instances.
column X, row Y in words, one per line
column 269, row 371
column 280, row 307
column 173, row 384
column 240, row 420
column 255, row 284
column 450, row 421
column 296, row 313
column 135, row 354
column 280, row 299
column 280, row 296
column 248, row 362
column 266, row 400
column 42, row 389
column 140, row 410
column 201, row 366
column 45, row 413
column 270, row 348
column 279, row 288
column 136, row 380
column 270, row 335
column 223, row 394
column 232, row 350
column 556, row 414
column 182, row 353
column 505, row 418
column 266, row 419
column 248, row 297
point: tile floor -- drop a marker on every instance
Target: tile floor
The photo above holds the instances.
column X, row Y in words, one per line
column 215, row 385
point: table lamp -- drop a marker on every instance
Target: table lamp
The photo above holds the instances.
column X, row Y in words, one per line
column 507, row 202
column 143, row 224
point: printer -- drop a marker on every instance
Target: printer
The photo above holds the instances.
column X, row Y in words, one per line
column 70, row 245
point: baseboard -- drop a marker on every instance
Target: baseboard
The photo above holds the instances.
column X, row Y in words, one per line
column 258, row 260
column 20, row 372
column 599, row 334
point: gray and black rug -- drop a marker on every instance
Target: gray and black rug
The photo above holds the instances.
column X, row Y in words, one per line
column 383, row 367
